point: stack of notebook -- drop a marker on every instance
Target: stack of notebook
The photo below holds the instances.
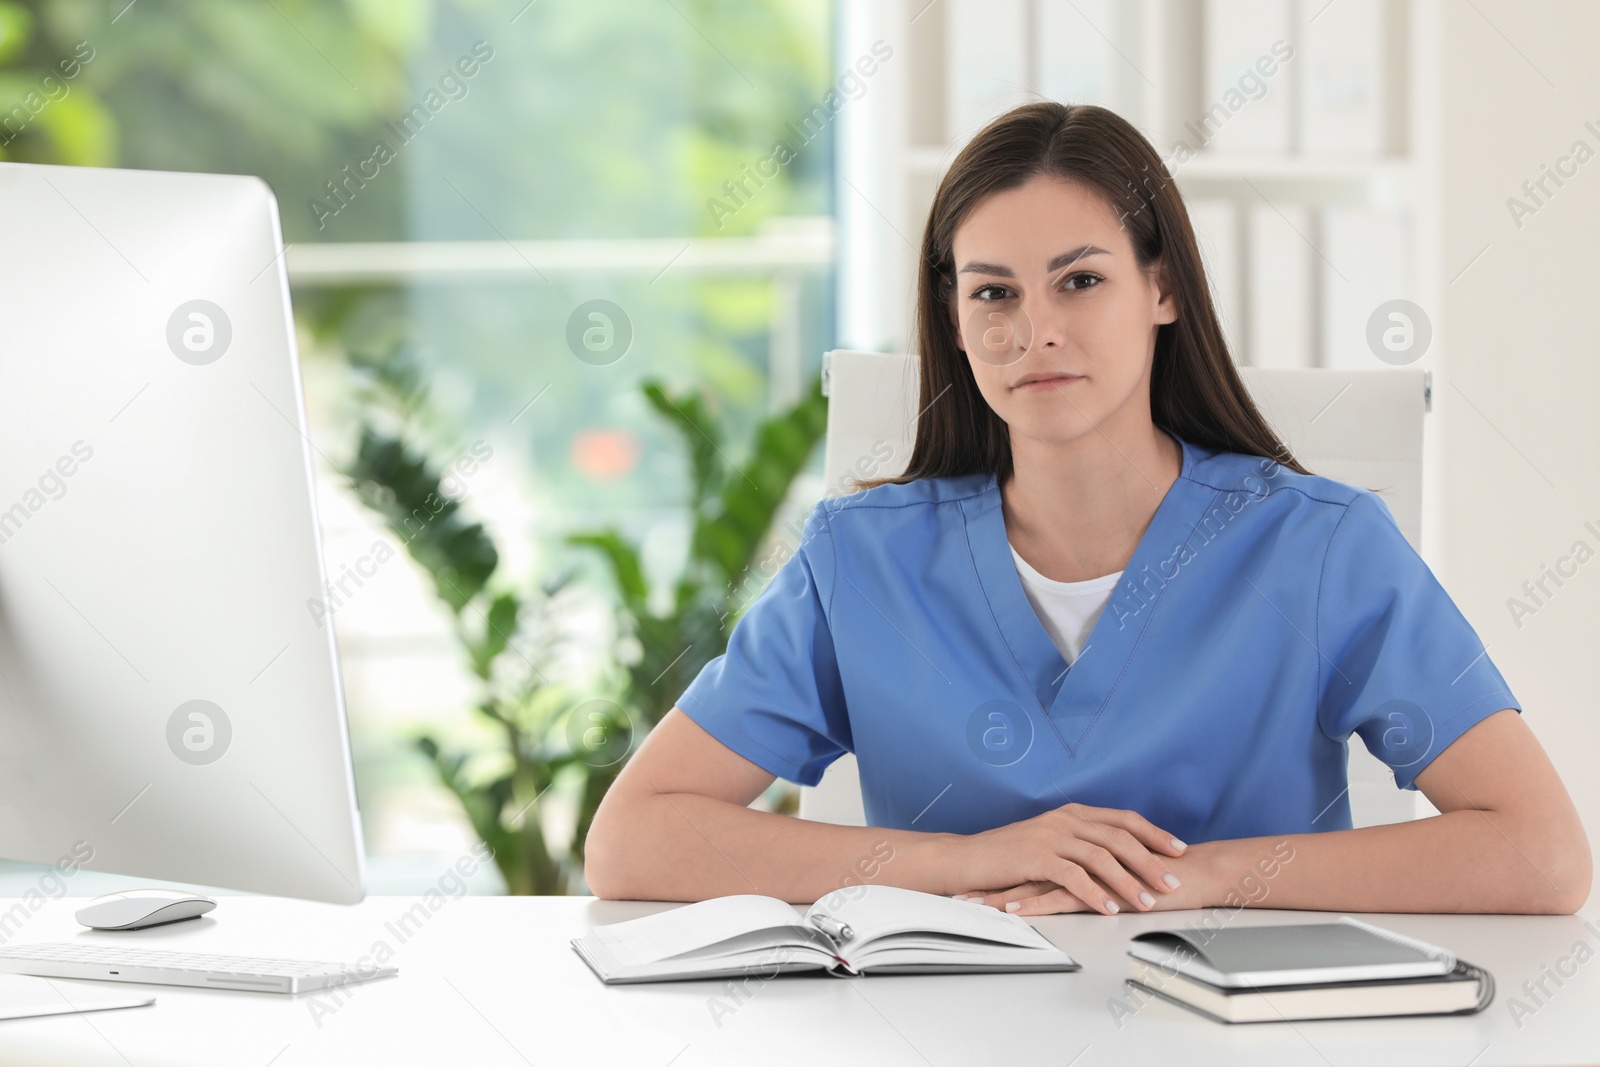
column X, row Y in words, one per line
column 1341, row 970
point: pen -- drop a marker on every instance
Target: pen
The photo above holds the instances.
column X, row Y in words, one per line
column 832, row 927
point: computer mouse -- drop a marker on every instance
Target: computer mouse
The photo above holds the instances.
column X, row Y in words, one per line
column 134, row 909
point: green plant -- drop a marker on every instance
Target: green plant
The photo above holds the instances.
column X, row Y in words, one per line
column 544, row 734
column 731, row 510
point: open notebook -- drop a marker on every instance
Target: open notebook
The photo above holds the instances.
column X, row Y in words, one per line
column 876, row 929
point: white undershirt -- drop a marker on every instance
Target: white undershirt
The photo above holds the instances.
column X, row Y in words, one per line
column 1068, row 610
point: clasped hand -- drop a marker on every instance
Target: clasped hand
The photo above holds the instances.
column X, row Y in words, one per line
column 1076, row 858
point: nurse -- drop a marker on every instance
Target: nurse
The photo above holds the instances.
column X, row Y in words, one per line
column 1103, row 645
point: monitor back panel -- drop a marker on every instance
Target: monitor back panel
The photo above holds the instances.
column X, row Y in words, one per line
column 169, row 701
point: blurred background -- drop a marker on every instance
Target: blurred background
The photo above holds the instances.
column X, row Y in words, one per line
column 571, row 269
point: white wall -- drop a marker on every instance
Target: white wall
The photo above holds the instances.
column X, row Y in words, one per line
column 1522, row 388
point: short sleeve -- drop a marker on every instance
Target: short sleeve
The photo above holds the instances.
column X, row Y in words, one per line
column 1399, row 664
column 775, row 696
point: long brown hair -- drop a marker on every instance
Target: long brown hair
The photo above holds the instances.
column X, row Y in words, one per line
column 1195, row 391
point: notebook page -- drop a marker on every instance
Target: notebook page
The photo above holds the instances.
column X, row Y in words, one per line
column 875, row 910
column 677, row 930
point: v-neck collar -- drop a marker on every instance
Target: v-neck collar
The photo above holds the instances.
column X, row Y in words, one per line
column 1072, row 699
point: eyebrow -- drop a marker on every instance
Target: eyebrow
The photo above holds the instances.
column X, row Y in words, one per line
column 1057, row 263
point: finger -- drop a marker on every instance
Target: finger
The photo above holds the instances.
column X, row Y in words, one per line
column 1104, row 865
column 988, row 896
column 1056, row 901
column 1001, row 898
column 1133, row 856
column 976, row 895
column 1146, row 831
column 1075, row 879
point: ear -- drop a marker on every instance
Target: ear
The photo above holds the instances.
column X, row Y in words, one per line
column 1166, row 306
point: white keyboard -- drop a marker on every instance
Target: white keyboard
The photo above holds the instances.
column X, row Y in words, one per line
column 160, row 967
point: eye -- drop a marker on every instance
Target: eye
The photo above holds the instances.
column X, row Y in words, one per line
column 984, row 293
column 1082, row 276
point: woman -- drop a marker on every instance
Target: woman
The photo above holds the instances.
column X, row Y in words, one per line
column 1103, row 614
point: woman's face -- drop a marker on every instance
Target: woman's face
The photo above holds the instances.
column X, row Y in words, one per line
column 1047, row 284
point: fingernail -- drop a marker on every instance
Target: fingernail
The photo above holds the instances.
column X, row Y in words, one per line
column 958, row 896
column 1178, row 844
column 1171, row 880
column 1015, row 905
column 1149, row 901
column 1111, row 906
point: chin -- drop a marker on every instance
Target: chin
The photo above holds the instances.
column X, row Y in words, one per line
column 1057, row 427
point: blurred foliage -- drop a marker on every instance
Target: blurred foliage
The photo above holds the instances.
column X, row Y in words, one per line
column 731, row 511
column 296, row 90
column 397, row 479
column 511, row 638
column 220, row 86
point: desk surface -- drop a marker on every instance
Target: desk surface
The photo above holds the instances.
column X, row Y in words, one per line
column 493, row 980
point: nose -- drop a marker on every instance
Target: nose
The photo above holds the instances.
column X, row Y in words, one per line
column 1045, row 327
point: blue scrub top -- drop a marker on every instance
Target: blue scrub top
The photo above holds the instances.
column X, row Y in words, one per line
column 1264, row 616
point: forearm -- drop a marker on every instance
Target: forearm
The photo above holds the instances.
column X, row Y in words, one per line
column 683, row 846
column 1460, row 861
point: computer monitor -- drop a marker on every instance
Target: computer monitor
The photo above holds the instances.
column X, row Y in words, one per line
column 170, row 701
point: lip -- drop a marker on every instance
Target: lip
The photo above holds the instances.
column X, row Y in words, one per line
column 1046, row 380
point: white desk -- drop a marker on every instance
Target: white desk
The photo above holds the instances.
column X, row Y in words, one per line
column 493, row 980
